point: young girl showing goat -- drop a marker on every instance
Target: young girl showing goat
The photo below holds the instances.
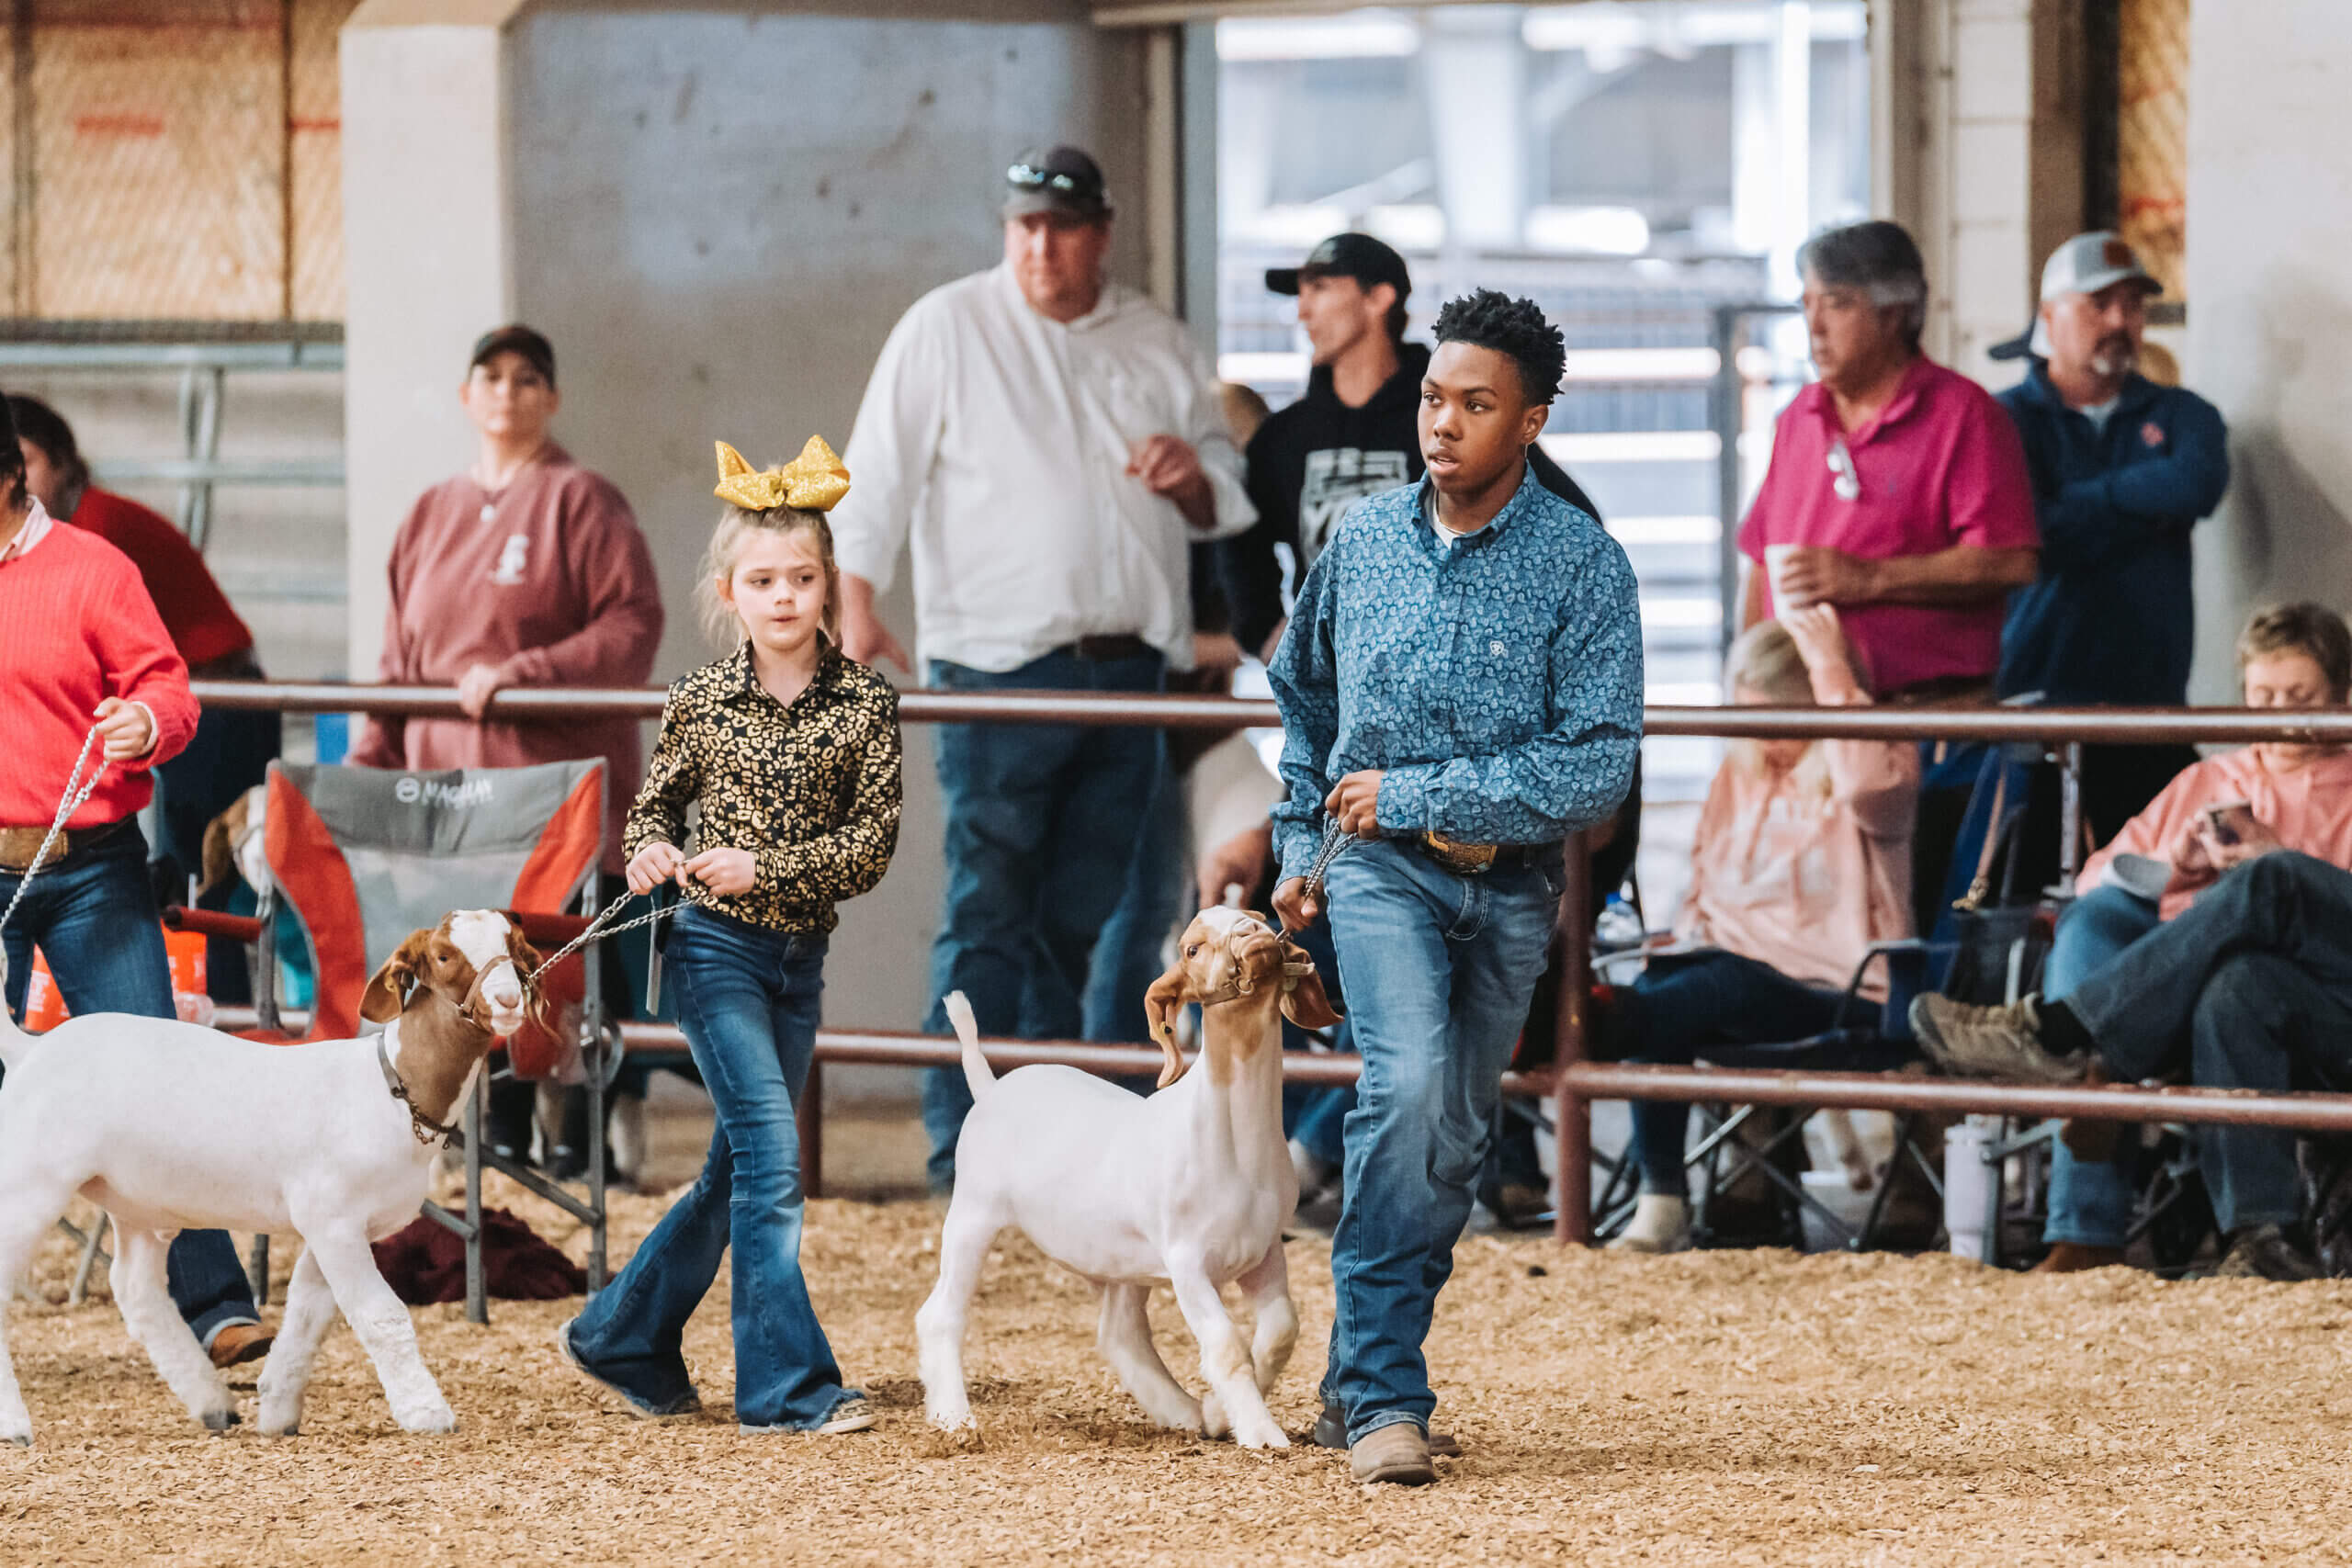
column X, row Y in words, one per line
column 792, row 752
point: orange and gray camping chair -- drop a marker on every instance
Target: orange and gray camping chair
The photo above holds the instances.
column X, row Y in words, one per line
column 363, row 856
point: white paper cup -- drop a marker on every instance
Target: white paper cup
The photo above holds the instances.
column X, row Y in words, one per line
column 1776, row 571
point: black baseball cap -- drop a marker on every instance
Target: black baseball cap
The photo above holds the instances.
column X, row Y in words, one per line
column 1358, row 257
column 516, row 338
column 1056, row 179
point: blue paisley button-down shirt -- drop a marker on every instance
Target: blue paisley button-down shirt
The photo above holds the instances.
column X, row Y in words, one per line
column 1497, row 680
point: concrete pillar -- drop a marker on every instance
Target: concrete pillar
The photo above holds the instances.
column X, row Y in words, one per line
column 1475, row 67
column 428, row 260
column 2271, row 308
column 1994, row 179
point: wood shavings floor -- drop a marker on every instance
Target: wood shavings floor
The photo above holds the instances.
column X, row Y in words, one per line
column 1726, row 1408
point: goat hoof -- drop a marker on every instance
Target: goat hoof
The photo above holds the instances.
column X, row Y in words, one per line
column 221, row 1420
column 22, row 1439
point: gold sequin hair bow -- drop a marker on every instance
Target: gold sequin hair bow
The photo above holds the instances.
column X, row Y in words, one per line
column 814, row 482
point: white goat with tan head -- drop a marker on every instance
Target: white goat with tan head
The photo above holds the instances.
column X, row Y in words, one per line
column 1192, row 1186
column 168, row 1126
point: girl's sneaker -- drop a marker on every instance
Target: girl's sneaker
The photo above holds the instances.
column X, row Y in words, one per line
column 686, row 1403
column 849, row 1416
column 852, row 1415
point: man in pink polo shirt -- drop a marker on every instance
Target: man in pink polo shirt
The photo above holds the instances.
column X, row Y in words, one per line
column 1898, row 491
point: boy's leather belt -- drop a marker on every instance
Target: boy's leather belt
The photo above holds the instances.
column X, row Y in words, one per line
column 1476, row 859
column 19, row 845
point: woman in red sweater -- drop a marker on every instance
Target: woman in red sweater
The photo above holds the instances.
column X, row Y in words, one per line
column 231, row 749
column 80, row 642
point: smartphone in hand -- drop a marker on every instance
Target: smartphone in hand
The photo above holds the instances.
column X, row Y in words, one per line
column 2228, row 820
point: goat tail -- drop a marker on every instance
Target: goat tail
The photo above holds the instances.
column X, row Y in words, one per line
column 975, row 1067
column 16, row 1045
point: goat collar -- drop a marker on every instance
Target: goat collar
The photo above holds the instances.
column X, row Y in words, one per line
column 1293, row 971
column 423, row 1126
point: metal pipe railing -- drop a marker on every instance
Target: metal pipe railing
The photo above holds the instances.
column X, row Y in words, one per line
column 525, row 704
column 1577, row 1081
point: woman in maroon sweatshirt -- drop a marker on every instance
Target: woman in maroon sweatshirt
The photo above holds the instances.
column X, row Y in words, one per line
column 526, row 570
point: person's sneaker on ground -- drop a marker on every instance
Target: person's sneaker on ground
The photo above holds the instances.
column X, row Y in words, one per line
column 1397, row 1454
column 1965, row 1039
column 2266, row 1252
column 852, row 1415
column 2074, row 1256
column 1661, row 1222
column 849, row 1416
column 238, row 1343
column 685, row 1403
column 1331, row 1432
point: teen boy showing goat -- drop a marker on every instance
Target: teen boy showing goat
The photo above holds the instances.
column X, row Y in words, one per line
column 1460, row 687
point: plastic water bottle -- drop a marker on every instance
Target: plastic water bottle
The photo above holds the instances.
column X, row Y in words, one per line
column 1968, row 1186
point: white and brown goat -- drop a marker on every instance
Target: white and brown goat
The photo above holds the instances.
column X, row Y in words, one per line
column 167, row 1126
column 1192, row 1186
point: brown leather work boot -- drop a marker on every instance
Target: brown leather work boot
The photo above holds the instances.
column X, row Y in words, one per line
column 238, row 1343
column 1398, row 1454
column 2074, row 1256
column 1331, row 1432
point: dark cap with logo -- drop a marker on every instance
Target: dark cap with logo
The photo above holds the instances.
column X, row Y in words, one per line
column 535, row 350
column 1358, row 257
column 1056, row 179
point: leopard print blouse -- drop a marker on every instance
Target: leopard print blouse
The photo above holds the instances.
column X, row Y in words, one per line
column 812, row 790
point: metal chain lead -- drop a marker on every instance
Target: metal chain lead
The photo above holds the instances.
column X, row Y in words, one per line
column 1335, row 842
column 77, row 792
column 598, row 928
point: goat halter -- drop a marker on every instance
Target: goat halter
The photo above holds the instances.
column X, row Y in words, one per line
column 424, row 1127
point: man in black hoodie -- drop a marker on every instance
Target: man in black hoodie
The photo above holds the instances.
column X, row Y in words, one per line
column 1352, row 435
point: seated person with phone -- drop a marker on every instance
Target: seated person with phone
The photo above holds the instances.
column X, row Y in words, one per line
column 2215, row 816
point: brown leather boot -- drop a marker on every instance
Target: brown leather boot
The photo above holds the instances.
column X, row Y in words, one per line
column 2074, row 1256
column 238, row 1343
column 1398, row 1453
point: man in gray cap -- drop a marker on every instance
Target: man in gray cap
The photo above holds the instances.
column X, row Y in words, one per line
column 1046, row 445
column 2122, row 468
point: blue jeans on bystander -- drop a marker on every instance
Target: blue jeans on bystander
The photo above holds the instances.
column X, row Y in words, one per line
column 1043, row 822
column 94, row 915
column 1439, row 968
column 2091, row 1201
column 748, row 1003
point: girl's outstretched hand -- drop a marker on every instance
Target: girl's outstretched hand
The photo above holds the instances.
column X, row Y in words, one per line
column 723, row 871
column 654, row 865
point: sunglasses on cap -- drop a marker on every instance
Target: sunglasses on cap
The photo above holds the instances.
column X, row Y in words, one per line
column 1028, row 177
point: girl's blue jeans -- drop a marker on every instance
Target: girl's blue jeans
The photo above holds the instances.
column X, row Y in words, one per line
column 747, row 1002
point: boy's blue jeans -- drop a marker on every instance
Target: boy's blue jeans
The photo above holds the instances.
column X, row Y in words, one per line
column 1438, row 969
column 748, row 1003
column 1043, row 822
column 2091, row 1201
column 94, row 915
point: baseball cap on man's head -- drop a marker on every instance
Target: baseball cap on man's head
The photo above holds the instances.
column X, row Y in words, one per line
column 1358, row 257
column 535, row 350
column 2083, row 264
column 1056, row 179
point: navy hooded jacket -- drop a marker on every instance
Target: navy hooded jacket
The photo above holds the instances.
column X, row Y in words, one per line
column 2112, row 618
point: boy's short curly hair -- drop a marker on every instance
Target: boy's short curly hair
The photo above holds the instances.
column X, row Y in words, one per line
column 1515, row 328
